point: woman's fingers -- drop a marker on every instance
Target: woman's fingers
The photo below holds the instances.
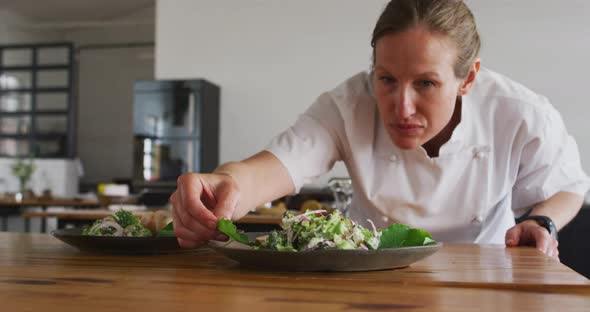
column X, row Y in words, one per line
column 191, row 188
column 227, row 200
column 184, row 218
column 553, row 251
column 546, row 244
column 513, row 236
column 196, row 205
column 532, row 234
column 541, row 239
column 189, row 229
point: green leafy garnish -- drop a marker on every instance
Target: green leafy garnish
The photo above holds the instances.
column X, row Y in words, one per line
column 400, row 235
column 228, row 228
column 167, row 231
column 314, row 230
column 125, row 218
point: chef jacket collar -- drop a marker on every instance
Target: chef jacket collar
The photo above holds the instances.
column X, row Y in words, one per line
column 385, row 148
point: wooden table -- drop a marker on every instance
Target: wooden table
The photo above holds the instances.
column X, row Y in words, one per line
column 44, row 203
column 40, row 273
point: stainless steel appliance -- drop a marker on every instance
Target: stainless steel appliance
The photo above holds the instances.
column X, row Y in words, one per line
column 176, row 130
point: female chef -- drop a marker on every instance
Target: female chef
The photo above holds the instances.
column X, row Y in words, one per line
column 430, row 138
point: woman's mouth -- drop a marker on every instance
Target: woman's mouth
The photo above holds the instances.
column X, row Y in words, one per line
column 408, row 129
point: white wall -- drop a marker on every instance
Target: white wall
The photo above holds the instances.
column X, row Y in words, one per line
column 107, row 69
column 544, row 45
column 272, row 58
column 60, row 176
column 105, row 110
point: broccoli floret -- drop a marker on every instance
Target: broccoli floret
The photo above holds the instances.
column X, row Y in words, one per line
column 125, row 218
column 276, row 241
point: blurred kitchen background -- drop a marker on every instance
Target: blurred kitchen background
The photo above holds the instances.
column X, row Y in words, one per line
column 114, row 99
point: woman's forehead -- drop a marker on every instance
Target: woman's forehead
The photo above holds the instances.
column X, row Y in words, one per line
column 417, row 49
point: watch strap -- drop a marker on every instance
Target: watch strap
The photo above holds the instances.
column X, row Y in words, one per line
column 543, row 221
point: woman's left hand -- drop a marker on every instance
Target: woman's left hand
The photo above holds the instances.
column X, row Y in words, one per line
column 530, row 233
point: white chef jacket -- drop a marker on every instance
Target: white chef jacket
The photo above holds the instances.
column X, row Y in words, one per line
column 510, row 151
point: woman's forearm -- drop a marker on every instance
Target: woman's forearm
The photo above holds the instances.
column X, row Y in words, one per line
column 561, row 208
column 259, row 179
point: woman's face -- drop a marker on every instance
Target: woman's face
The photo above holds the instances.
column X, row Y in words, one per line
column 415, row 85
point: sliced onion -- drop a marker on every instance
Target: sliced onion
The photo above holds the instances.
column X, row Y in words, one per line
column 372, row 225
column 118, row 228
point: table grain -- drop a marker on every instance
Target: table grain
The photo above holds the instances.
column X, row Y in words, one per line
column 40, row 273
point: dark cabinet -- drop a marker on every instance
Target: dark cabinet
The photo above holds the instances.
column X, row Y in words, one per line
column 176, row 129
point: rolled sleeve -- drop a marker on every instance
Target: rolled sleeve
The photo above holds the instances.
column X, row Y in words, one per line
column 550, row 164
column 310, row 147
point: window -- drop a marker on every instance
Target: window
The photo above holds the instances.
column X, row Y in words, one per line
column 36, row 106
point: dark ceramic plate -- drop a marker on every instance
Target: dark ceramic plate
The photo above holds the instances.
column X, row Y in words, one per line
column 119, row 245
column 323, row 260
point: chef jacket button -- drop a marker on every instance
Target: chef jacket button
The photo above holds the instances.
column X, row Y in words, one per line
column 479, row 155
column 393, row 158
column 477, row 219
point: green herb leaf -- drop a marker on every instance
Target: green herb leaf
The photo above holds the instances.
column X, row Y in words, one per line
column 125, row 218
column 167, row 231
column 228, row 228
column 400, row 235
column 394, row 236
column 417, row 237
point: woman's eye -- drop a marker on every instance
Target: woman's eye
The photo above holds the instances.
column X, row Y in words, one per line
column 425, row 83
column 385, row 79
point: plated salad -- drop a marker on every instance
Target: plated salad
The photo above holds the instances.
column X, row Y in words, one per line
column 315, row 230
column 124, row 223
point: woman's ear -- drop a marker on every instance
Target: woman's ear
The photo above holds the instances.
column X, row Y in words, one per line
column 468, row 82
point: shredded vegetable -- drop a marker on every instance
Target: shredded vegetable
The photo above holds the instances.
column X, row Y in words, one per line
column 315, row 230
column 122, row 223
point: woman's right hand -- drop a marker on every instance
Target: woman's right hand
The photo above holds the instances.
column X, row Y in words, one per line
column 198, row 202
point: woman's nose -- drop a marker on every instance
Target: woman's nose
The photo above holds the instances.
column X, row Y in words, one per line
column 405, row 107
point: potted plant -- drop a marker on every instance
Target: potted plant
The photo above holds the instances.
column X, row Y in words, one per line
column 23, row 170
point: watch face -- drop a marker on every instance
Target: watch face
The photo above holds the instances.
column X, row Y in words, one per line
column 545, row 222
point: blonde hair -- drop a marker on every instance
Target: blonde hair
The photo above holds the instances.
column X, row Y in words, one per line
column 448, row 17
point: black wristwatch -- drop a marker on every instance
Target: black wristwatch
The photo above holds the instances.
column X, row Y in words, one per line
column 543, row 221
